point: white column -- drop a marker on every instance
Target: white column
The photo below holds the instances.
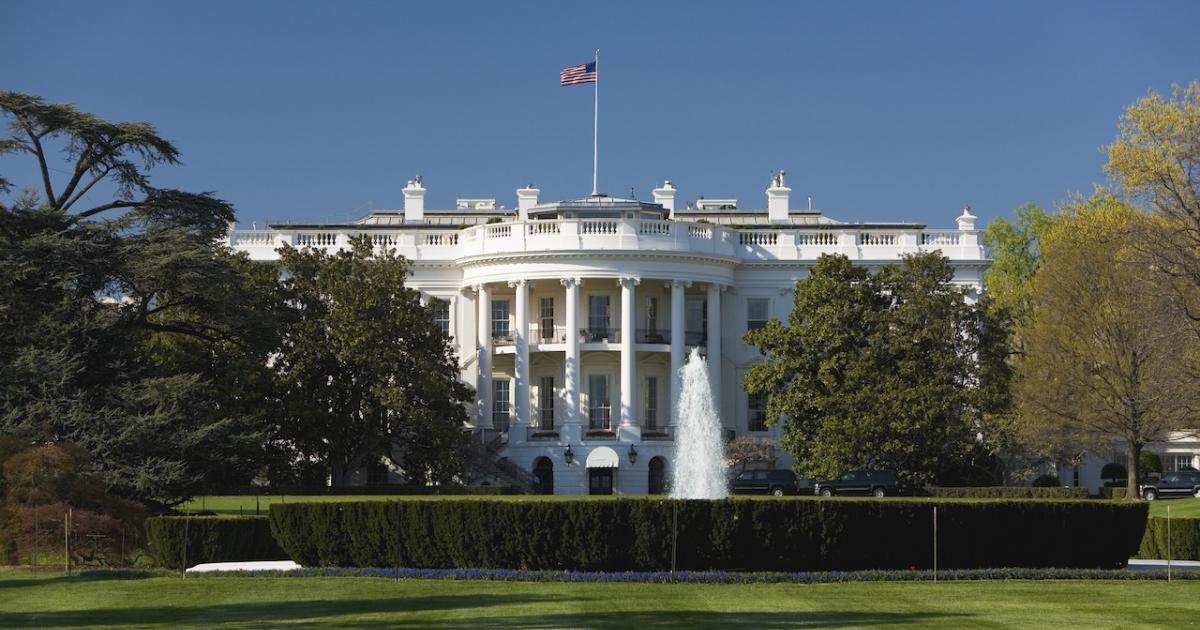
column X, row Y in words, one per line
column 678, row 323
column 484, row 360
column 628, row 356
column 521, row 341
column 572, row 426
column 713, row 345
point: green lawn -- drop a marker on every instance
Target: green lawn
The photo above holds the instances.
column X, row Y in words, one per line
column 369, row 602
column 247, row 504
column 1180, row 508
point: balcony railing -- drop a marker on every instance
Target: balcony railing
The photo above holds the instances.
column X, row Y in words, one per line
column 799, row 243
column 657, row 434
column 601, row 335
column 653, row 335
column 542, row 433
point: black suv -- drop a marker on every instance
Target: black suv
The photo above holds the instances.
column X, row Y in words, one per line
column 1184, row 483
column 777, row 482
column 878, row 483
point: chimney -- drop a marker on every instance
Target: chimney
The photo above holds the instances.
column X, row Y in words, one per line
column 777, row 199
column 966, row 220
column 665, row 197
column 414, row 201
column 527, row 198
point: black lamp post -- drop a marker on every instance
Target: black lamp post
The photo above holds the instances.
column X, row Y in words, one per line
column 632, row 454
column 569, row 455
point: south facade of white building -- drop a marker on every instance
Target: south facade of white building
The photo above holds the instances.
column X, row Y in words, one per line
column 572, row 319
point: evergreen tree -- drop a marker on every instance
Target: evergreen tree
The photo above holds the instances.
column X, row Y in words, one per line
column 892, row 370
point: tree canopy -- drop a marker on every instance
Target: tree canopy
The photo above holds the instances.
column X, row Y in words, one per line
column 1107, row 346
column 103, row 274
column 896, row 369
column 368, row 376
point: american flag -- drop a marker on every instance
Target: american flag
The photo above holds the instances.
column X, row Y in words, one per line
column 575, row 75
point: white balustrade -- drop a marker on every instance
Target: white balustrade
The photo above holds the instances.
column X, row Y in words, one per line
column 618, row 234
column 871, row 239
column 598, row 226
column 769, row 237
column 810, row 239
column 938, row 239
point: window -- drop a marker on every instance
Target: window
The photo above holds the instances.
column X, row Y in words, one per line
column 651, row 315
column 650, row 421
column 500, row 404
column 547, row 324
column 1181, row 462
column 441, row 315
column 546, row 403
column 756, row 313
column 756, row 412
column 599, row 408
column 598, row 321
column 500, row 318
column 696, row 322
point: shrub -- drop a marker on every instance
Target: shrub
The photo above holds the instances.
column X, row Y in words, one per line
column 1046, row 481
column 210, row 539
column 1113, row 471
column 737, row 534
column 1184, row 539
column 1006, row 492
column 1114, row 493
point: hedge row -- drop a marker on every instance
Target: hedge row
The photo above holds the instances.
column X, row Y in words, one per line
column 1184, row 539
column 1114, row 493
column 210, row 539
column 1005, row 492
column 636, row 534
column 372, row 489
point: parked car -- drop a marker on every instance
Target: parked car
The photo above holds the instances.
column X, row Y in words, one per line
column 878, row 483
column 1184, row 483
column 777, row 482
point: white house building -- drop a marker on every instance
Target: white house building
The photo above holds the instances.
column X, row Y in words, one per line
column 573, row 318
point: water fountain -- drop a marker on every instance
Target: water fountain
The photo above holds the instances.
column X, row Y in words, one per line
column 699, row 469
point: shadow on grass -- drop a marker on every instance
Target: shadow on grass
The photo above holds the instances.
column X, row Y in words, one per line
column 414, row 612
column 267, row 614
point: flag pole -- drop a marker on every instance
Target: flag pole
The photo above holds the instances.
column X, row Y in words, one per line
column 596, row 130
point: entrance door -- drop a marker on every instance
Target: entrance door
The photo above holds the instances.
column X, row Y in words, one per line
column 600, row 481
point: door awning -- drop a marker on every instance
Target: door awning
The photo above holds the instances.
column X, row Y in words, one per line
column 602, row 457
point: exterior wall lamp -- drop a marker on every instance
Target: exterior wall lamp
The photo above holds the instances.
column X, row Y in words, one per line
column 632, row 454
column 569, row 455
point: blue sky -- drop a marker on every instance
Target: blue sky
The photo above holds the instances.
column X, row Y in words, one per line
column 882, row 111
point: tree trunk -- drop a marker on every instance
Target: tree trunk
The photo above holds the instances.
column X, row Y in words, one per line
column 1133, row 454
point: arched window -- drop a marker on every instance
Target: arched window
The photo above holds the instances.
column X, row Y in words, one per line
column 658, row 475
column 543, row 469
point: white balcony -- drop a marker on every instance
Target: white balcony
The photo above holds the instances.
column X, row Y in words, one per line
column 600, row 235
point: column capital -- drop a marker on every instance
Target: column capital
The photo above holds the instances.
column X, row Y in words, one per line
column 570, row 282
column 628, row 281
column 476, row 288
column 687, row 284
column 718, row 286
column 518, row 283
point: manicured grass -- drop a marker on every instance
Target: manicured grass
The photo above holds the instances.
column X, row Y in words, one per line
column 367, row 602
column 246, row 504
column 1180, row 508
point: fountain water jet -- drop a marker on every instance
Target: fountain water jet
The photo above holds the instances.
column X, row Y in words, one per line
column 699, row 469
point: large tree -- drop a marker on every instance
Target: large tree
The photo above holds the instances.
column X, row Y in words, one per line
column 369, row 376
column 103, row 273
column 1108, row 348
column 1155, row 162
column 1015, row 249
column 893, row 370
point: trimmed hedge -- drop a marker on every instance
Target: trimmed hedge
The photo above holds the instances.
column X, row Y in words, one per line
column 1114, row 493
column 372, row 489
column 1005, row 492
column 210, row 539
column 736, row 534
column 1184, row 540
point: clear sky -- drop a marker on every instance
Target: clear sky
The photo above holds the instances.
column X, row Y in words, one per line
column 882, row 111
